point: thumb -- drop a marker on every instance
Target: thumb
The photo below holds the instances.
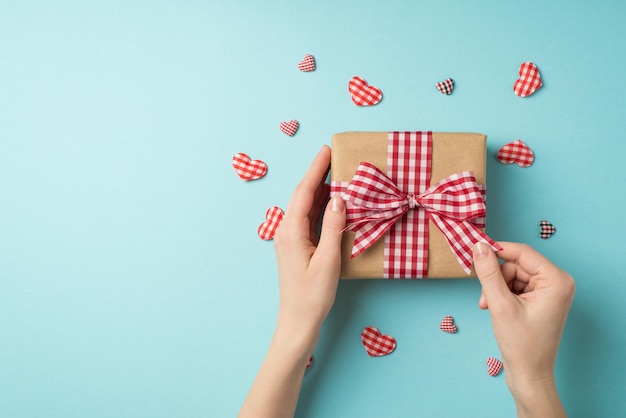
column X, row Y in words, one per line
column 495, row 289
column 329, row 246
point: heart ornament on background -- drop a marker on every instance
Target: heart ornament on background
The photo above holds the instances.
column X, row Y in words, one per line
column 362, row 93
column 547, row 229
column 273, row 216
column 529, row 80
column 307, row 64
column 447, row 325
column 516, row 152
column 377, row 344
column 446, row 86
column 494, row 366
column 248, row 169
column 290, row 127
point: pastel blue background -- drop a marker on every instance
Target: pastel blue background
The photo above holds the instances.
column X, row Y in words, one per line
column 132, row 281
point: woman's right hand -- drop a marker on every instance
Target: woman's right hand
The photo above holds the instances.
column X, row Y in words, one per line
column 529, row 299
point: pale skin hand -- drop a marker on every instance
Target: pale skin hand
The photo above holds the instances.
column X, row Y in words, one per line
column 308, row 273
column 529, row 299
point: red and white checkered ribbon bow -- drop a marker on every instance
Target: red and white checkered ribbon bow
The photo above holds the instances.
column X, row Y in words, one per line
column 375, row 203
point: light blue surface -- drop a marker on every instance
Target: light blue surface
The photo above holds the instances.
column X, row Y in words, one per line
column 132, row 282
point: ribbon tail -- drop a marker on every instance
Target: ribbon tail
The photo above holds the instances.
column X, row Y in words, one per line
column 461, row 237
column 368, row 234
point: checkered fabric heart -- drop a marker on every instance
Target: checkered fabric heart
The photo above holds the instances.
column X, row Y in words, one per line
column 446, row 86
column 377, row 344
column 447, row 325
column 494, row 366
column 248, row 169
column 547, row 229
column 290, row 127
column 516, row 152
column 529, row 80
column 273, row 216
column 307, row 64
column 362, row 93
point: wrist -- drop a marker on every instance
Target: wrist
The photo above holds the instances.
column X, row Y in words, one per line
column 536, row 396
column 297, row 340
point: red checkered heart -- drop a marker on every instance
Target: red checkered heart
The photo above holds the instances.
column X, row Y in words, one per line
column 447, row 325
column 494, row 366
column 307, row 64
column 516, row 152
column 290, row 127
column 362, row 93
column 248, row 169
column 446, row 86
column 529, row 80
column 273, row 216
column 377, row 344
column 547, row 229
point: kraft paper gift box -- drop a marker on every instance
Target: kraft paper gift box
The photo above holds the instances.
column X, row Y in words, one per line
column 450, row 153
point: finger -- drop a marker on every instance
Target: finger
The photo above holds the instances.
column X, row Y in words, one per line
column 302, row 198
column 328, row 250
column 525, row 256
column 510, row 274
column 319, row 203
column 482, row 302
column 495, row 289
column 518, row 280
column 512, row 271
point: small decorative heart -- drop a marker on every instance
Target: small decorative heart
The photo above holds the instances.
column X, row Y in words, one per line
column 309, row 363
column 362, row 93
column 307, row 64
column 516, row 152
column 290, row 127
column 248, row 169
column 446, row 86
column 494, row 366
column 377, row 344
column 529, row 80
column 273, row 216
column 447, row 325
column 547, row 229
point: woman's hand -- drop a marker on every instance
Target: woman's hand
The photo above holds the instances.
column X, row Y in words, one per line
column 529, row 299
column 308, row 267
column 308, row 273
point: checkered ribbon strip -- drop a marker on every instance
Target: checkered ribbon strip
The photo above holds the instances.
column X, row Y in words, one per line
column 399, row 204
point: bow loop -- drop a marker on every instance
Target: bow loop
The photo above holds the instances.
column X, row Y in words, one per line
column 371, row 189
column 457, row 197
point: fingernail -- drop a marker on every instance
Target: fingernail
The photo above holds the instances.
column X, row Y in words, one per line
column 337, row 204
column 480, row 250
